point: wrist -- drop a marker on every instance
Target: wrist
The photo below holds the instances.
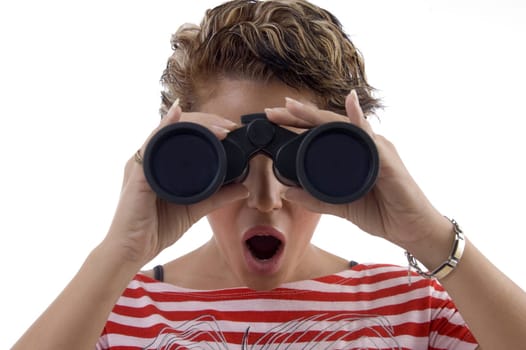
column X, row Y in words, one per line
column 115, row 260
column 436, row 247
column 134, row 248
column 448, row 265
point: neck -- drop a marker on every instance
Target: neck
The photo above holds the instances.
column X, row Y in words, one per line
column 206, row 269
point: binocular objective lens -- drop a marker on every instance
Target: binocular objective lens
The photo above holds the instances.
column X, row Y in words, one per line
column 185, row 165
column 337, row 166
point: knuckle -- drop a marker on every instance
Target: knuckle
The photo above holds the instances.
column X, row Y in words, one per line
column 385, row 143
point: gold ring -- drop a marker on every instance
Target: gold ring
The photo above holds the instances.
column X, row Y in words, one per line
column 138, row 157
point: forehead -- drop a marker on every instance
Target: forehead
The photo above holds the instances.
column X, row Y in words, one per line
column 232, row 98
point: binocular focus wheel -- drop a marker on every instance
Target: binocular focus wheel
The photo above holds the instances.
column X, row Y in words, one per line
column 337, row 162
column 184, row 163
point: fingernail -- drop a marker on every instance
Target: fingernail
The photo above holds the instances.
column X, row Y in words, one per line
column 291, row 101
column 230, row 122
column 354, row 96
column 174, row 105
column 220, row 129
column 173, row 108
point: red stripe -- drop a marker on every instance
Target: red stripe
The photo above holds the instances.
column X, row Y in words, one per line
column 278, row 294
column 363, row 275
column 392, row 308
column 412, row 329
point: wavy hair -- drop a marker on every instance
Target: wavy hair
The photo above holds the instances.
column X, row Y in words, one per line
column 292, row 41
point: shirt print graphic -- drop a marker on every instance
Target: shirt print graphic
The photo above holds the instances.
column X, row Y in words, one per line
column 323, row 331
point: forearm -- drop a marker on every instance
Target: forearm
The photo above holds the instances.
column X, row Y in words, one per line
column 493, row 306
column 76, row 318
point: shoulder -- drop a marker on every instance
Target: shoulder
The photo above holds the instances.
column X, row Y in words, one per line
column 386, row 280
column 143, row 282
column 373, row 273
column 148, row 273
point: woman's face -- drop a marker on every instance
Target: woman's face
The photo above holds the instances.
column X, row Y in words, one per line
column 263, row 240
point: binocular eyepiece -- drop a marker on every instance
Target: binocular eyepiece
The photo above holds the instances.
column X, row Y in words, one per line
column 335, row 162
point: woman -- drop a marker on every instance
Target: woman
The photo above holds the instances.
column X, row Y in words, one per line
column 293, row 62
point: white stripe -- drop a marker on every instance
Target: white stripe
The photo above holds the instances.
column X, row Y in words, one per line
column 277, row 305
column 446, row 342
column 318, row 322
column 351, row 323
column 159, row 287
column 375, row 288
column 370, row 342
column 307, row 286
column 371, row 270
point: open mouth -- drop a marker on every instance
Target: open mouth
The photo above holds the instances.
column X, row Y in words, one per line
column 263, row 247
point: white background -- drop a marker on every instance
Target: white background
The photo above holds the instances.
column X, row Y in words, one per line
column 79, row 92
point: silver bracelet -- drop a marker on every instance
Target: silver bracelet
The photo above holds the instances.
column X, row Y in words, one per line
column 447, row 266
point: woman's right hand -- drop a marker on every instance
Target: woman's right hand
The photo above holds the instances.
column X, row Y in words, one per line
column 143, row 224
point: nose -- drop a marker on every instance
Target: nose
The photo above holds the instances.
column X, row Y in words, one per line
column 265, row 190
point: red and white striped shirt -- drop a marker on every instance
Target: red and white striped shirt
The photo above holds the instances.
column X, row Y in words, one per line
column 364, row 307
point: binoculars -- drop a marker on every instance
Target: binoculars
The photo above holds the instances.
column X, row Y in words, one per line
column 335, row 162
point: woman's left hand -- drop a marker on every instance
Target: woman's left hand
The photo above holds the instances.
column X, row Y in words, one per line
column 395, row 209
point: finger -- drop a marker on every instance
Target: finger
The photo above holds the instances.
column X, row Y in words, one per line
column 208, row 119
column 281, row 116
column 355, row 113
column 299, row 115
column 173, row 114
column 218, row 125
column 312, row 114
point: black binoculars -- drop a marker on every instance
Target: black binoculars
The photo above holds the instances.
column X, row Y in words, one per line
column 335, row 162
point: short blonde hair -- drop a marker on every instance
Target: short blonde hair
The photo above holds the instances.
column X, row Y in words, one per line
column 294, row 42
